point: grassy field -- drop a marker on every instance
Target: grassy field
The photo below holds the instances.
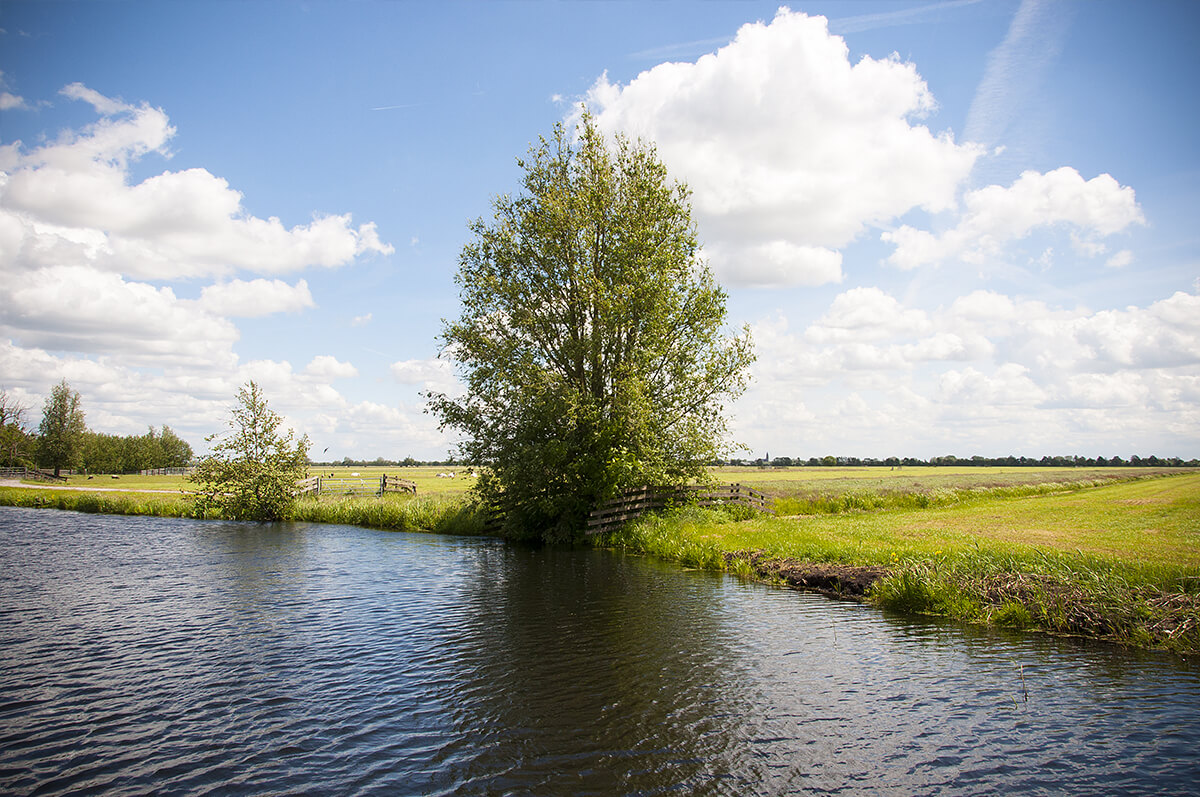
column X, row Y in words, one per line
column 426, row 478
column 1154, row 521
column 789, row 486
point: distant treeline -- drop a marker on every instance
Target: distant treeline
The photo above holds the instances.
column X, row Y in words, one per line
column 110, row 453
column 382, row 462
column 1009, row 461
column 832, row 461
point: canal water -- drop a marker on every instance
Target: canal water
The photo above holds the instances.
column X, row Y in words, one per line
column 143, row 655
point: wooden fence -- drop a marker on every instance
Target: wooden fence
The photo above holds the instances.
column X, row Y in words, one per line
column 638, row 501
column 26, row 473
column 394, row 484
column 309, row 486
column 350, row 485
column 167, row 471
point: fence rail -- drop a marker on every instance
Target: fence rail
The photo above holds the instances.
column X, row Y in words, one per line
column 167, row 471
column 394, row 484
column 310, row 485
column 26, row 473
column 638, row 501
column 352, row 485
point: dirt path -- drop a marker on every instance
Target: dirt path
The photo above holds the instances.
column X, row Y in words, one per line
column 15, row 483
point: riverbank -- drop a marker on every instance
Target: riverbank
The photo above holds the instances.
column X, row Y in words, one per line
column 438, row 514
column 1119, row 562
column 1104, row 558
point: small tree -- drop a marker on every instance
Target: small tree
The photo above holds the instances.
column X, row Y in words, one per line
column 591, row 340
column 15, row 441
column 60, row 435
column 252, row 471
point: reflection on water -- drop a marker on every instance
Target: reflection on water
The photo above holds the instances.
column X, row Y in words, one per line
column 141, row 654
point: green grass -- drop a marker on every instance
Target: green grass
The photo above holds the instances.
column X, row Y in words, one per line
column 104, row 503
column 445, row 514
column 808, row 490
column 441, row 514
column 425, row 477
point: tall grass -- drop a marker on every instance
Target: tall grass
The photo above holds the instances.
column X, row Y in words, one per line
column 106, row 503
column 1067, row 593
column 444, row 515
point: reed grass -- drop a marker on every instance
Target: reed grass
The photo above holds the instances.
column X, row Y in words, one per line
column 439, row 514
column 106, row 503
column 444, row 514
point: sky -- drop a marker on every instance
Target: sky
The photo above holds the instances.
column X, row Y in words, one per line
column 953, row 227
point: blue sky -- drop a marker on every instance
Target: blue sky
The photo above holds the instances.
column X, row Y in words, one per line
column 953, row 227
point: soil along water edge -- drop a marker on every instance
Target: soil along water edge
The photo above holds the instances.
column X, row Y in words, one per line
column 1113, row 554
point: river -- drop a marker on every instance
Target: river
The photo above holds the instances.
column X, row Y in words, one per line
column 144, row 655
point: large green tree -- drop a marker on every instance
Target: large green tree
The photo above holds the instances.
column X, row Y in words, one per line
column 252, row 469
column 60, row 435
column 592, row 338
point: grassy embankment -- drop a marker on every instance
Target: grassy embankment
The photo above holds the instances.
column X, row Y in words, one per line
column 438, row 506
column 1092, row 553
column 1110, row 553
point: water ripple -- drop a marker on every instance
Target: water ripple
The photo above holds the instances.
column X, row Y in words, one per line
column 178, row 657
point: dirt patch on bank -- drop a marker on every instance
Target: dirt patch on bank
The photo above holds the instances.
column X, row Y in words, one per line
column 80, row 488
column 839, row 581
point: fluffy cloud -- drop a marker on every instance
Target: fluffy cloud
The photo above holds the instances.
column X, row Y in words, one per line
column 328, row 368
column 986, row 370
column 90, row 259
column 863, row 314
column 431, row 374
column 72, row 308
column 255, row 298
column 71, row 202
column 996, row 215
column 790, row 149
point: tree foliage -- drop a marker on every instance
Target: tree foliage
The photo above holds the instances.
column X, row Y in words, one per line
column 252, row 470
column 16, row 443
column 591, row 339
column 60, row 435
column 109, row 453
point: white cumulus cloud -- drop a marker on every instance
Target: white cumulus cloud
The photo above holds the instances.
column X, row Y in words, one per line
column 431, row 374
column 73, row 201
column 864, row 314
column 790, row 149
column 328, row 368
column 255, row 298
column 996, row 215
column 73, row 308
